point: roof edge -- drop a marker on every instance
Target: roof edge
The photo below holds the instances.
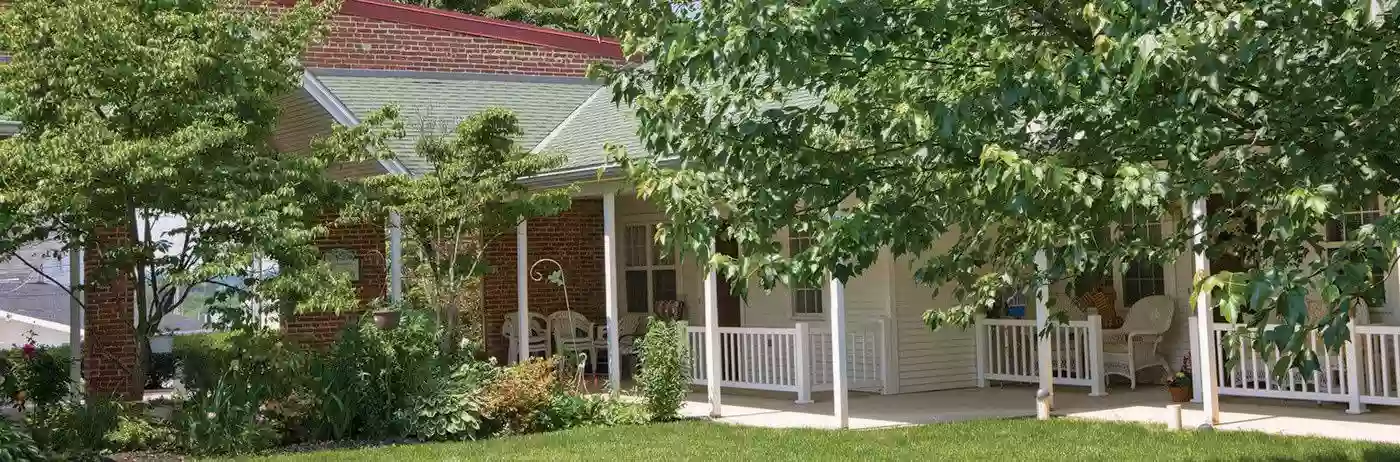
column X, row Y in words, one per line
column 595, row 172
column 445, row 75
column 554, row 132
column 9, row 128
column 452, row 21
column 342, row 115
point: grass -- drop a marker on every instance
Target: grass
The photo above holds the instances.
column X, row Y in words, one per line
column 1066, row 440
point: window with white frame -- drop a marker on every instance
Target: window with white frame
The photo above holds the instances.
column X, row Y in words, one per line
column 806, row 299
column 1345, row 228
column 1142, row 277
column 649, row 270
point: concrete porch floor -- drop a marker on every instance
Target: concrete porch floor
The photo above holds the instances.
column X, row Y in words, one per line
column 1146, row 404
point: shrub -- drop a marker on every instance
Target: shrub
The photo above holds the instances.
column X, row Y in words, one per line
column 75, row 429
column 450, row 407
column 665, row 368
column 515, row 400
column 135, row 431
column 15, row 445
column 226, row 419
column 36, row 375
column 202, row 359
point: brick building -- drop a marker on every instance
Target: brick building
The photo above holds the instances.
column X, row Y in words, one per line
column 439, row 67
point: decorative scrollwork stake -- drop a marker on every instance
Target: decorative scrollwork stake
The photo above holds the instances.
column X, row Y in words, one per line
column 557, row 277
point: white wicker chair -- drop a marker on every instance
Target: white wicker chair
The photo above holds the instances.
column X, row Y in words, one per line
column 573, row 333
column 539, row 336
column 1133, row 347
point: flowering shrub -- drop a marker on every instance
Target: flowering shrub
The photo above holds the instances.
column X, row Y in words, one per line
column 34, row 374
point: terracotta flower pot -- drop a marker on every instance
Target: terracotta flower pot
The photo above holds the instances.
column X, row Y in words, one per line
column 386, row 320
column 1180, row 394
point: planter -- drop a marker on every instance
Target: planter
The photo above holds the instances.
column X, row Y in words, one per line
column 386, row 320
column 1180, row 394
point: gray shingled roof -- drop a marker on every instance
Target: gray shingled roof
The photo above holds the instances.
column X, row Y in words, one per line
column 8, row 127
column 584, row 136
column 432, row 102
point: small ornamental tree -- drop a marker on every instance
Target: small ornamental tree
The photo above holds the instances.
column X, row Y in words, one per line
column 968, row 136
column 469, row 200
column 141, row 111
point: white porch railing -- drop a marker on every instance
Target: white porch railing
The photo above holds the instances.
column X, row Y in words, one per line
column 796, row 359
column 1366, row 370
column 1008, row 350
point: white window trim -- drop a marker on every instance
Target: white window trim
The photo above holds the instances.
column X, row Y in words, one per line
column 792, row 290
column 1119, row 282
column 1391, row 284
column 650, row 267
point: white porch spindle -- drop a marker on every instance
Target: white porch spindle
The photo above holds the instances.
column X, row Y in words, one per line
column 1042, row 321
column 712, row 353
column 1204, row 362
column 610, row 290
column 522, row 293
column 1353, row 360
column 395, row 258
column 839, row 381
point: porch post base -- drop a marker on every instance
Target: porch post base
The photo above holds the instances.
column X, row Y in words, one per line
column 1357, row 411
column 1099, row 394
column 803, row 401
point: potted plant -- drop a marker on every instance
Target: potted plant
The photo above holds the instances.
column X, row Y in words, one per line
column 1180, row 384
column 386, row 317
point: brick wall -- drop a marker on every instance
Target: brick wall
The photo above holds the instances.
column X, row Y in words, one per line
column 575, row 239
column 109, row 342
column 367, row 241
column 362, row 43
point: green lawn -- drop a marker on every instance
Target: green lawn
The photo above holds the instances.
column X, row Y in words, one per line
column 982, row 440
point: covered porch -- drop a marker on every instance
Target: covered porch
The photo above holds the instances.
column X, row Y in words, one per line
column 1144, row 405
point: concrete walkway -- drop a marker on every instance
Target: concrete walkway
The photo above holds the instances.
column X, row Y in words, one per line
column 1147, row 404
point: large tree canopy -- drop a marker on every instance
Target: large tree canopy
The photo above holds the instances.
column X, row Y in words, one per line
column 139, row 111
column 1010, row 127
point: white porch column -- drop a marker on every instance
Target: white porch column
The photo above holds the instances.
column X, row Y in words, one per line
column 395, row 258
column 839, row 382
column 75, row 317
column 712, row 356
column 1042, row 343
column 1204, row 365
column 610, row 290
column 522, row 293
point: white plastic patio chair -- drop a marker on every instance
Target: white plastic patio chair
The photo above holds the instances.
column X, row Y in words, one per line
column 539, row 336
column 1133, row 347
column 572, row 333
column 629, row 327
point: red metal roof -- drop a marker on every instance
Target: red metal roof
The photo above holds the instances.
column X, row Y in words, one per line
column 452, row 21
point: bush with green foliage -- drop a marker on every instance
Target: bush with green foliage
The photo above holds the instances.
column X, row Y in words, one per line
column 515, row 401
column 569, row 410
column 665, row 363
column 201, row 359
column 16, row 445
column 75, row 429
column 448, row 407
column 137, row 431
column 226, row 419
column 34, row 374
